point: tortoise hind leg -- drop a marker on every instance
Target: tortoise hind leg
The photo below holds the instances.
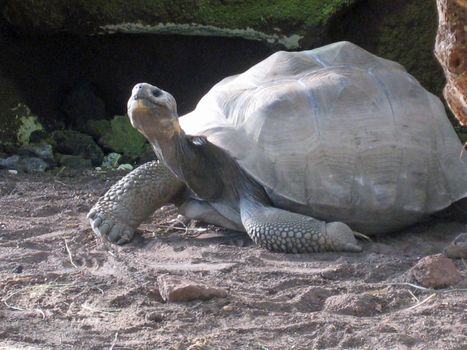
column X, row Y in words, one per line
column 285, row 231
column 133, row 199
column 201, row 210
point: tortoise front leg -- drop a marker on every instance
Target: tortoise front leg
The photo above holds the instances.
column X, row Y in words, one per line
column 284, row 231
column 133, row 199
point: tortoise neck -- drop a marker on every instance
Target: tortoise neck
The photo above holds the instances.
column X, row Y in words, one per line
column 169, row 149
column 189, row 159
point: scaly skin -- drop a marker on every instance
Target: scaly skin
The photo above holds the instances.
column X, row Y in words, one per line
column 132, row 200
column 284, row 231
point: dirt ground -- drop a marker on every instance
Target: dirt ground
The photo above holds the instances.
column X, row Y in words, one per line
column 62, row 288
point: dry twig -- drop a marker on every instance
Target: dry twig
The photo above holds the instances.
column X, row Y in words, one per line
column 114, row 341
column 431, row 290
column 421, row 302
column 69, row 255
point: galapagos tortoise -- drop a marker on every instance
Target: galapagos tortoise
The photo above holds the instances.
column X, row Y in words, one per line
column 297, row 151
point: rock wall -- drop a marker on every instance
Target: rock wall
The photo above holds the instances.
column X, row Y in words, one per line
column 289, row 23
column 400, row 30
column 451, row 51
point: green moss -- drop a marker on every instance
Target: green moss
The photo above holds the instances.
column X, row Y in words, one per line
column 228, row 14
column 97, row 128
column 262, row 15
column 10, row 114
column 407, row 35
column 123, row 138
column 27, row 124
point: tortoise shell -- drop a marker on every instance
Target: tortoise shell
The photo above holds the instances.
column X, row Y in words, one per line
column 339, row 134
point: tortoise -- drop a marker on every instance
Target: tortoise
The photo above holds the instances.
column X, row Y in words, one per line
column 303, row 151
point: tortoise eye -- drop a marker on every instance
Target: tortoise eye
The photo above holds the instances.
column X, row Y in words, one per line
column 156, row 92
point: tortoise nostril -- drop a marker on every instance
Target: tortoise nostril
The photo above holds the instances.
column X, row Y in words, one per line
column 156, row 92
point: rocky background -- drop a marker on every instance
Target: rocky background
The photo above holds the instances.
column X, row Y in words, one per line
column 67, row 68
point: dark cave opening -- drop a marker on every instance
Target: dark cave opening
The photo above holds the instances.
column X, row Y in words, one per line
column 45, row 69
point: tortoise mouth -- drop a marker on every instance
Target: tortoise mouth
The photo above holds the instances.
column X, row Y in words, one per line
column 140, row 105
column 143, row 105
column 147, row 116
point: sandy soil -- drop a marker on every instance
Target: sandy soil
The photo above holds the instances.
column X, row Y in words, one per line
column 62, row 288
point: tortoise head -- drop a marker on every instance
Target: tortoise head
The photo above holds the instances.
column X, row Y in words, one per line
column 153, row 112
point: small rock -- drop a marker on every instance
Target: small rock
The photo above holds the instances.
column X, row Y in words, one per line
column 436, row 271
column 26, row 164
column 74, row 143
column 41, row 150
column 73, row 162
column 111, row 161
column 32, row 165
column 177, row 289
column 10, row 162
column 125, row 167
column 13, row 172
column 17, row 269
column 228, row 308
column 457, row 249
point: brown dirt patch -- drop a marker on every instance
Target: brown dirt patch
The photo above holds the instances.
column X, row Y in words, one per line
column 110, row 298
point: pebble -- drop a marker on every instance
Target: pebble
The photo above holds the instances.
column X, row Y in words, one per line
column 17, row 269
column 436, row 271
column 228, row 308
column 457, row 249
column 178, row 289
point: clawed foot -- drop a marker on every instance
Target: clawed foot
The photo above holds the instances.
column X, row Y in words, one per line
column 110, row 228
column 342, row 237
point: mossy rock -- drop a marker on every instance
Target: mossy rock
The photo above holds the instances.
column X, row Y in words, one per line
column 282, row 21
column 17, row 122
column 73, row 162
column 70, row 142
column 122, row 138
column 97, row 128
